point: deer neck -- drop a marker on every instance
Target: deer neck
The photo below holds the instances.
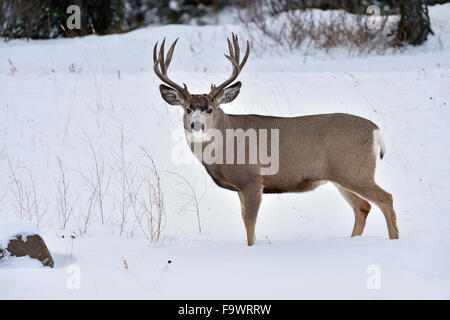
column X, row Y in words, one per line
column 197, row 145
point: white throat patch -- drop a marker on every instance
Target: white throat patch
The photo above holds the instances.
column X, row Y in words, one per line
column 198, row 136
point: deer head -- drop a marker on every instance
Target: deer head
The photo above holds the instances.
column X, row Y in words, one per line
column 201, row 111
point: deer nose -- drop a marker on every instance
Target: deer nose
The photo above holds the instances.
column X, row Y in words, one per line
column 197, row 126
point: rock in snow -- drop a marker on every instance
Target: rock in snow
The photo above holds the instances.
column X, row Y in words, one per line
column 20, row 238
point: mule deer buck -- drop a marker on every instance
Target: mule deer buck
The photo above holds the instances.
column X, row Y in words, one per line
column 314, row 149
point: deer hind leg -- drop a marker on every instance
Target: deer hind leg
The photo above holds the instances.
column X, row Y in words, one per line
column 360, row 207
column 250, row 201
column 372, row 192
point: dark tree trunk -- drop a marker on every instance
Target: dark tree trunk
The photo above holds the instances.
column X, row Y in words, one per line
column 102, row 15
column 414, row 25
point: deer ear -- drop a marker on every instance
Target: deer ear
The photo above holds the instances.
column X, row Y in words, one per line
column 171, row 95
column 230, row 93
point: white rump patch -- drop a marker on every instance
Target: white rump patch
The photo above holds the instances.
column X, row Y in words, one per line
column 378, row 144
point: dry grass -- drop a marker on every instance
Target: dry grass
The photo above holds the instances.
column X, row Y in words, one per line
column 124, row 192
column 137, row 193
column 284, row 26
column 127, row 185
column 153, row 214
column 192, row 198
column 66, row 201
column 26, row 200
column 97, row 178
column 85, row 215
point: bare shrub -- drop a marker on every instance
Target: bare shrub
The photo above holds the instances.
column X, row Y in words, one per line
column 191, row 197
column 285, row 24
column 152, row 215
column 25, row 195
column 2, row 198
column 85, row 215
column 137, row 192
column 98, row 177
column 12, row 67
column 65, row 201
column 128, row 185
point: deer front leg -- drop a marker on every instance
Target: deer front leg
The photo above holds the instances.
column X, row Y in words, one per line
column 250, row 201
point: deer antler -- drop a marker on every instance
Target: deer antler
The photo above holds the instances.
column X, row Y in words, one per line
column 161, row 65
column 234, row 59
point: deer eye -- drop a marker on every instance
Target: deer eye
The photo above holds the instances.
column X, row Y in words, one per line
column 188, row 110
column 209, row 110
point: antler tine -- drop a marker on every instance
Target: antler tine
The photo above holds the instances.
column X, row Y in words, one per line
column 233, row 57
column 160, row 66
column 170, row 54
column 230, row 47
column 154, row 52
column 236, row 47
column 161, row 55
column 247, row 52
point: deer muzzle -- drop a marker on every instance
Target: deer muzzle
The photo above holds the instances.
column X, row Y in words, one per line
column 197, row 126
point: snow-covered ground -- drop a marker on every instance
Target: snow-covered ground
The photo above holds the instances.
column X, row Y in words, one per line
column 57, row 95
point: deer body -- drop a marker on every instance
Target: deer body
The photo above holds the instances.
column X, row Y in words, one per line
column 319, row 137
column 314, row 149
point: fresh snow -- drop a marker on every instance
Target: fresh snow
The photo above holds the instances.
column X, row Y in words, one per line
column 12, row 229
column 62, row 92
